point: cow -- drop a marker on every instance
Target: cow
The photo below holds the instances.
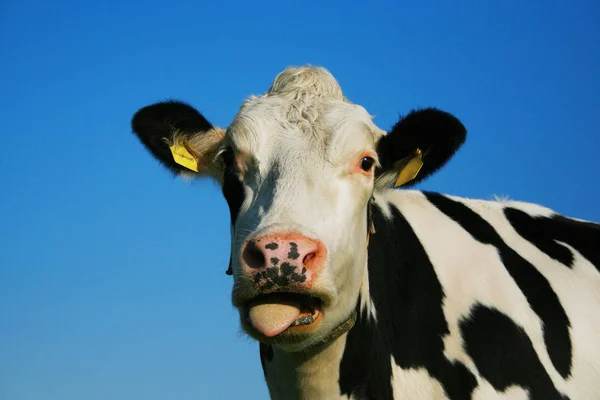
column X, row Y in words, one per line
column 356, row 285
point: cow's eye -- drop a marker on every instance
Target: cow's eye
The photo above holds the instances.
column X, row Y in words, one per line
column 367, row 163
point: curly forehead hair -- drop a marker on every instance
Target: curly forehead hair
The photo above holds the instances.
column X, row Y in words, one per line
column 306, row 91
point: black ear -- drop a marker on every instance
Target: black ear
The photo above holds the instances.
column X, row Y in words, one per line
column 157, row 125
column 418, row 145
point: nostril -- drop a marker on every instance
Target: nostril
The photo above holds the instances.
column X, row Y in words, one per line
column 253, row 256
column 308, row 258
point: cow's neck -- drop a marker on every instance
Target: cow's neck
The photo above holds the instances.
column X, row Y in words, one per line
column 304, row 375
column 321, row 372
column 311, row 374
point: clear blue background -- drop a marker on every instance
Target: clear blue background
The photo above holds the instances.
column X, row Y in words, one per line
column 112, row 282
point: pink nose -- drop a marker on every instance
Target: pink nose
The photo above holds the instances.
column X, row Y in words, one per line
column 283, row 259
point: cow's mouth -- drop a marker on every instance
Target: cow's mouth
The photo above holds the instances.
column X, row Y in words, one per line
column 275, row 313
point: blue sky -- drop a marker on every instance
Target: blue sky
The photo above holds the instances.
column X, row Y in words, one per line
column 112, row 282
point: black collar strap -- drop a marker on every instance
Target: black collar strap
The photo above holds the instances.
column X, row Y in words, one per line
column 338, row 331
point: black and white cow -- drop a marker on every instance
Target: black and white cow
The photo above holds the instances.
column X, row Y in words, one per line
column 358, row 290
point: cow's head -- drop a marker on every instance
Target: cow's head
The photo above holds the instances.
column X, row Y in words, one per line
column 298, row 167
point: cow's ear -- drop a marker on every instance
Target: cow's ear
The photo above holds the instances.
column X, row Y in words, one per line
column 179, row 137
column 418, row 145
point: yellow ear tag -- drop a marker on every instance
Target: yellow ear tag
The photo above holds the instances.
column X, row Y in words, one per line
column 182, row 156
column 410, row 170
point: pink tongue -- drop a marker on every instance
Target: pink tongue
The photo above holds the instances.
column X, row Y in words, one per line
column 272, row 319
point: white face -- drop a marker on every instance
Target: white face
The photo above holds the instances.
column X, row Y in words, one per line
column 297, row 169
column 304, row 175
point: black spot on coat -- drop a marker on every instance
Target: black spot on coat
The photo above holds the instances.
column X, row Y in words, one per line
column 410, row 324
column 504, row 354
column 546, row 233
column 233, row 191
column 234, row 194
